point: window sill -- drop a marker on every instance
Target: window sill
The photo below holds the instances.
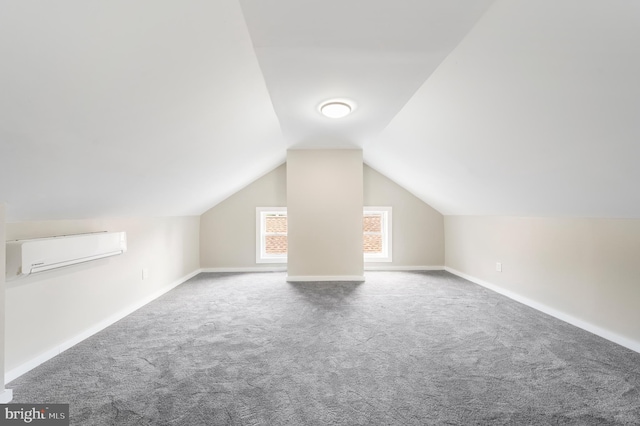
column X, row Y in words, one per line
column 274, row 260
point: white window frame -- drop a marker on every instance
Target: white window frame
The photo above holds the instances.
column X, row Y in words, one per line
column 387, row 234
column 261, row 256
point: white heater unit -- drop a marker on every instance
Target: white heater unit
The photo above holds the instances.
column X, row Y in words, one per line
column 25, row 257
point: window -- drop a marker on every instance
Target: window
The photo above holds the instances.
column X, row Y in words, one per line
column 271, row 235
column 376, row 226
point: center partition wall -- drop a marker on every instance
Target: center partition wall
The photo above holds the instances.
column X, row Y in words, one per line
column 324, row 211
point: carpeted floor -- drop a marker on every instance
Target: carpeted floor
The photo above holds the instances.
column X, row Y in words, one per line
column 402, row 348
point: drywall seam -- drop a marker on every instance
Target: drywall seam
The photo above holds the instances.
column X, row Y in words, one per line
column 594, row 329
column 34, row 362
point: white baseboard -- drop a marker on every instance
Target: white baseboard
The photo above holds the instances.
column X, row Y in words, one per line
column 587, row 326
column 247, row 269
column 402, row 268
column 6, row 396
column 307, row 278
column 284, row 268
column 34, row 362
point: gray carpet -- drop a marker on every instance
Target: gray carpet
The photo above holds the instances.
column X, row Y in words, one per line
column 401, row 349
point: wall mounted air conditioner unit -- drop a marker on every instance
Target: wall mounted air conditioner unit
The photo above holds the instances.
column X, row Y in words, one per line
column 25, row 257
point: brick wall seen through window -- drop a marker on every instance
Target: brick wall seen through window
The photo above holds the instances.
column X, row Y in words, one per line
column 271, row 227
column 372, row 229
column 377, row 238
column 276, row 234
column 271, row 235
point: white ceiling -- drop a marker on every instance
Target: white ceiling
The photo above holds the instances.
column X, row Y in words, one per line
column 375, row 53
column 535, row 113
column 121, row 108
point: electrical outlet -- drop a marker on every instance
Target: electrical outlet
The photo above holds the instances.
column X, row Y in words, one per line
column 498, row 266
column 145, row 273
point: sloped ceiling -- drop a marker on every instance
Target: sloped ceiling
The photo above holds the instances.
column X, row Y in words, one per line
column 535, row 113
column 121, row 108
column 374, row 53
column 125, row 108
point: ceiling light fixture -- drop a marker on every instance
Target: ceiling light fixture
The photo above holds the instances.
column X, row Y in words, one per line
column 335, row 109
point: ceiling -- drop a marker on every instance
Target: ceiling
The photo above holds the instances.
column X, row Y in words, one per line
column 535, row 113
column 165, row 108
column 375, row 53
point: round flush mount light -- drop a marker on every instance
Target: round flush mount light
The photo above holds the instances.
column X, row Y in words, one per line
column 335, row 109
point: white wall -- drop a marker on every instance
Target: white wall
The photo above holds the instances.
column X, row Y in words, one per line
column 588, row 270
column 228, row 230
column 56, row 307
column 324, row 212
column 228, row 234
column 418, row 229
column 3, row 395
